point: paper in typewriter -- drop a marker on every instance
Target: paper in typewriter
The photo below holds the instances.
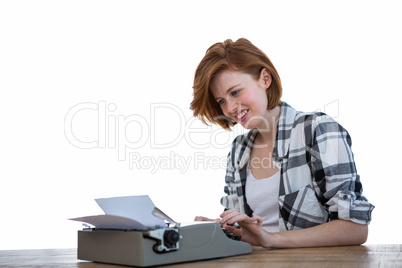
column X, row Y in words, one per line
column 125, row 212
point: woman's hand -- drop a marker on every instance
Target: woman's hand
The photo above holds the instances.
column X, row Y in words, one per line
column 251, row 228
column 201, row 218
column 333, row 233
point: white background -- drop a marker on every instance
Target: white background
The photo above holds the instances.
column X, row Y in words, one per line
column 122, row 57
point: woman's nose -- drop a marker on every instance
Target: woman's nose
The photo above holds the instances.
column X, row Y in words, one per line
column 232, row 107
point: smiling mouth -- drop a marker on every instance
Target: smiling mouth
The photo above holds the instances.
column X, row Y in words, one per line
column 241, row 117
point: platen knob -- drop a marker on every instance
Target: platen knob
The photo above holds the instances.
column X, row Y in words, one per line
column 171, row 237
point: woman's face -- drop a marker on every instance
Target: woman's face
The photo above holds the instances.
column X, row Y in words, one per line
column 242, row 97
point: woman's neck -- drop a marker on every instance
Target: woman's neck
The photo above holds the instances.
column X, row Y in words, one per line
column 267, row 134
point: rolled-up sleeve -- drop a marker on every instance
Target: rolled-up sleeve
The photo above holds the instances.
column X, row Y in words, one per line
column 335, row 175
column 230, row 199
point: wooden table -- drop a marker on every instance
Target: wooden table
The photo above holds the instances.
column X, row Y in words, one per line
column 348, row 256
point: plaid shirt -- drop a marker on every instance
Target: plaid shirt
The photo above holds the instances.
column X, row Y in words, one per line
column 318, row 182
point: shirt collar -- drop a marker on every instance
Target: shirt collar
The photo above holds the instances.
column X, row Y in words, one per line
column 285, row 125
column 284, row 128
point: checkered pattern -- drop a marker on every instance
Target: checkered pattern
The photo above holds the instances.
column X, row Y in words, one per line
column 318, row 180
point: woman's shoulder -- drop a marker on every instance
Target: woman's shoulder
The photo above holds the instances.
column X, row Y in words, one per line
column 314, row 121
column 312, row 126
column 300, row 117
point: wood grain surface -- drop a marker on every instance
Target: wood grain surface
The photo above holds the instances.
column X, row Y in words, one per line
column 382, row 255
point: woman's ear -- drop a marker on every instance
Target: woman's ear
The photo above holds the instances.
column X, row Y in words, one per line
column 266, row 78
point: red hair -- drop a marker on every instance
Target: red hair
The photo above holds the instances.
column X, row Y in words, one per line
column 241, row 56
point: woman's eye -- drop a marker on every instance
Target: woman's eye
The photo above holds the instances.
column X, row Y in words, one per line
column 235, row 92
column 220, row 102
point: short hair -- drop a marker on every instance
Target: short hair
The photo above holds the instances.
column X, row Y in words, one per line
column 241, row 56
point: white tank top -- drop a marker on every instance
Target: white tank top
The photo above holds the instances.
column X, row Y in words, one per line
column 262, row 197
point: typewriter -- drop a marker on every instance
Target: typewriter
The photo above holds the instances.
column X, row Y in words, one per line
column 162, row 244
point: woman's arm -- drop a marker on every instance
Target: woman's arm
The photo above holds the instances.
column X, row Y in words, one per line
column 334, row 233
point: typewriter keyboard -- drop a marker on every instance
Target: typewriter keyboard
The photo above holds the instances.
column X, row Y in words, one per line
column 231, row 235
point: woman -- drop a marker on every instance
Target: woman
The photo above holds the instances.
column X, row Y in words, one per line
column 291, row 180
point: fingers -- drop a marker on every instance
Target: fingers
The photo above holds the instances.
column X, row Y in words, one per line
column 232, row 216
column 201, row 218
column 228, row 215
column 217, row 220
column 258, row 219
column 233, row 230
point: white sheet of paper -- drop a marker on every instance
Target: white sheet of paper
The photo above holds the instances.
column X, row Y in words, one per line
column 138, row 208
column 111, row 222
column 125, row 212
